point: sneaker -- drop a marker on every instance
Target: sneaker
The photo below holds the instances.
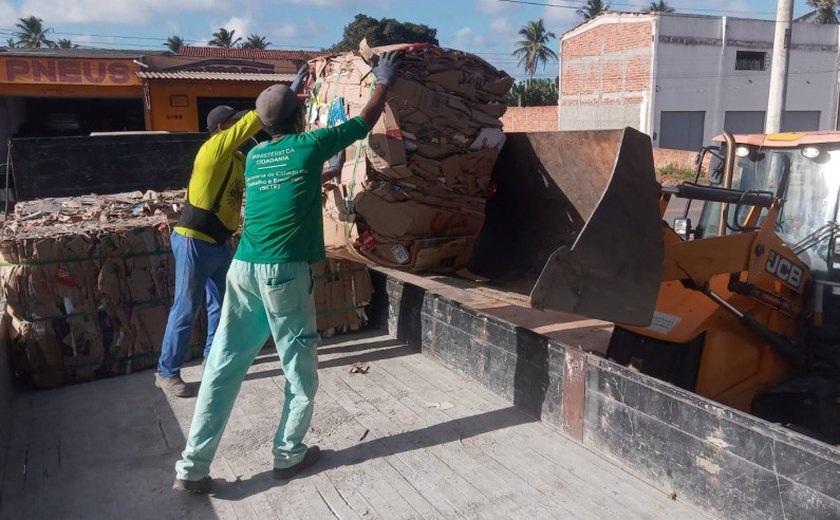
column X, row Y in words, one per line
column 313, row 453
column 174, row 386
column 196, row 487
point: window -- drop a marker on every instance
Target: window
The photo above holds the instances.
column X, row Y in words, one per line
column 747, row 60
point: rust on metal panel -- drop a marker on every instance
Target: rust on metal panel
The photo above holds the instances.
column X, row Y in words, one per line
column 574, row 393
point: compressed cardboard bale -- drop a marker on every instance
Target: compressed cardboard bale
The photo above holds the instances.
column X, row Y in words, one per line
column 414, row 191
column 89, row 282
column 343, row 289
column 88, row 285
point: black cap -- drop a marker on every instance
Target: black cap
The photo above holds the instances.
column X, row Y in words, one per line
column 219, row 115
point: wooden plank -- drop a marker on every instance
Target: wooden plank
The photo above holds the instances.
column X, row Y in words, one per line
column 567, row 459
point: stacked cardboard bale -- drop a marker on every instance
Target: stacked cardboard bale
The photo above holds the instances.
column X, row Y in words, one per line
column 88, row 282
column 412, row 194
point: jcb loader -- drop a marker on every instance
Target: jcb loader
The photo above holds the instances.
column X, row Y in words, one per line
column 740, row 307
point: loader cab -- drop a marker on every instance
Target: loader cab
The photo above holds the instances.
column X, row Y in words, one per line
column 804, row 175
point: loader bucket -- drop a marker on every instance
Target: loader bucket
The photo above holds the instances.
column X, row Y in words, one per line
column 575, row 222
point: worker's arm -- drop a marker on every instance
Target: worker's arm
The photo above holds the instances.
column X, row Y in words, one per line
column 333, row 140
column 385, row 72
column 227, row 141
column 374, row 107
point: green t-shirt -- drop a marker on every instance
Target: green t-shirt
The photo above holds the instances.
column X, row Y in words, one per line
column 283, row 220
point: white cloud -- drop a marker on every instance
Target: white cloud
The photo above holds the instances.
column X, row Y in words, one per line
column 7, row 14
column 238, row 24
column 128, row 12
column 559, row 20
column 491, row 6
column 339, row 4
column 286, row 30
column 466, row 39
column 173, row 26
column 502, row 28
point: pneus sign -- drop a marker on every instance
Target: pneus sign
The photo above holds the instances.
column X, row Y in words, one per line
column 40, row 71
column 782, row 268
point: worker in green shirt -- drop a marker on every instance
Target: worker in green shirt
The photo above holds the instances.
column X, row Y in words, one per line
column 269, row 284
column 211, row 214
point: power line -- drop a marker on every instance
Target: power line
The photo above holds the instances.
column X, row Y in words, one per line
column 580, row 3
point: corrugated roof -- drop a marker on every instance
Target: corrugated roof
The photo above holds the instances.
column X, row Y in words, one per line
column 259, row 54
column 216, row 76
column 78, row 53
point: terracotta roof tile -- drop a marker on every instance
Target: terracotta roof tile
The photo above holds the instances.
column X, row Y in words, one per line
column 259, row 54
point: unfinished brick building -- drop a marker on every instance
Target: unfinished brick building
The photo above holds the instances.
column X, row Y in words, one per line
column 684, row 78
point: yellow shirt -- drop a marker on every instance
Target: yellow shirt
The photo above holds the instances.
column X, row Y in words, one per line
column 209, row 169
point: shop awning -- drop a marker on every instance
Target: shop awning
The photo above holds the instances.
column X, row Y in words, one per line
column 216, row 76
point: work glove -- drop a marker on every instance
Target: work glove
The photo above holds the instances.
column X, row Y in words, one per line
column 300, row 78
column 386, row 70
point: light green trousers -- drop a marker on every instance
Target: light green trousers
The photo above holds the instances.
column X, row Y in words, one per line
column 260, row 300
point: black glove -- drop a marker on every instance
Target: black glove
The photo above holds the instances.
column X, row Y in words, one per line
column 300, row 78
column 386, row 70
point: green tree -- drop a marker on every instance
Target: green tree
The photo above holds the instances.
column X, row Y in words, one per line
column 826, row 10
column 534, row 49
column 383, row 32
column 224, row 38
column 593, row 8
column 31, row 33
column 11, row 43
column 255, row 41
column 66, row 43
column 174, row 43
column 658, row 7
column 533, row 93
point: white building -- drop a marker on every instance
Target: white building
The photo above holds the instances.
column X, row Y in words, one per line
column 682, row 79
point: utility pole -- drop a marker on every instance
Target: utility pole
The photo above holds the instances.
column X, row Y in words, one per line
column 779, row 67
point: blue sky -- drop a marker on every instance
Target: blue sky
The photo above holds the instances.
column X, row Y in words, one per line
column 485, row 27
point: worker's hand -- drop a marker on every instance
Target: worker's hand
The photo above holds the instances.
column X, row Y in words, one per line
column 386, row 70
column 300, row 78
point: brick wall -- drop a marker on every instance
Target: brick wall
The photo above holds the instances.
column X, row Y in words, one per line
column 606, row 74
column 530, row 119
column 609, row 58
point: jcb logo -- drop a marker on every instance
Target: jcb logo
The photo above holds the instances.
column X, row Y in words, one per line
column 784, row 270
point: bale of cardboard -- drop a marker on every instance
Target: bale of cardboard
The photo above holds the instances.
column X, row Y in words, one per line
column 412, row 194
column 88, row 282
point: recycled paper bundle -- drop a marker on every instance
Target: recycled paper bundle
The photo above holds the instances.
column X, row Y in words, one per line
column 412, row 194
column 88, row 282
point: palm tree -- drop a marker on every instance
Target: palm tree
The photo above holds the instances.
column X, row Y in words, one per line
column 11, row 43
column 224, row 38
column 66, row 43
column 255, row 41
column 826, row 10
column 658, row 7
column 31, row 33
column 533, row 48
column 174, row 43
column 593, row 8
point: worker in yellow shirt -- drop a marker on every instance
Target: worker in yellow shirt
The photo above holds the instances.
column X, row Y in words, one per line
column 200, row 240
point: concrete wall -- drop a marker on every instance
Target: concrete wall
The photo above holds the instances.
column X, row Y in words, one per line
column 530, row 119
column 727, row 462
column 695, row 69
column 605, row 73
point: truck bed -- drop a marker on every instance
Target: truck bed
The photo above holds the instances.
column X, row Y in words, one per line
column 408, row 439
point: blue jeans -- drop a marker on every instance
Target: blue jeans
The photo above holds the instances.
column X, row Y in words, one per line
column 200, row 267
column 262, row 300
